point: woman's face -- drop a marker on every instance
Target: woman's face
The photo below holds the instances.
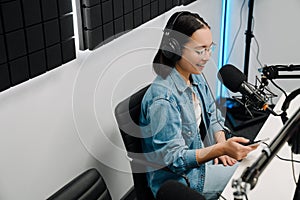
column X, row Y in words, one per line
column 196, row 52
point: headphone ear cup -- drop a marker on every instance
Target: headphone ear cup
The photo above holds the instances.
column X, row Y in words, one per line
column 171, row 49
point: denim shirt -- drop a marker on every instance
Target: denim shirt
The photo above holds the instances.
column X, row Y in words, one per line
column 170, row 131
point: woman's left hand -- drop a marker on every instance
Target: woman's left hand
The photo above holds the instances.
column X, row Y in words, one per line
column 225, row 160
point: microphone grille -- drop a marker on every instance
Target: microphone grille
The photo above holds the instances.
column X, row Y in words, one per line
column 231, row 77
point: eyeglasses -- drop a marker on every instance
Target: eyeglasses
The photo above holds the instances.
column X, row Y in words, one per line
column 202, row 52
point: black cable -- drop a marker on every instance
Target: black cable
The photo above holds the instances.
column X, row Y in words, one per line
column 283, row 159
column 257, row 54
column 293, row 168
column 260, row 63
column 225, row 129
column 246, row 196
column 288, row 160
column 220, row 195
column 237, row 33
column 279, row 88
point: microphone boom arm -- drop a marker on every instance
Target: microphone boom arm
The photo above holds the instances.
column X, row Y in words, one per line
column 251, row 174
column 272, row 72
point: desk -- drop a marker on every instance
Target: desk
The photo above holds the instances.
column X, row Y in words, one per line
column 276, row 181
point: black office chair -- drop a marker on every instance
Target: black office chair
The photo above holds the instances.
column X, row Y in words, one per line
column 89, row 185
column 127, row 114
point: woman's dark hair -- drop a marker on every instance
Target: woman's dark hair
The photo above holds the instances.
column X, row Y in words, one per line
column 183, row 24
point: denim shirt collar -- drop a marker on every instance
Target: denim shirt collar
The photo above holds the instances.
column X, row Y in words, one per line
column 180, row 82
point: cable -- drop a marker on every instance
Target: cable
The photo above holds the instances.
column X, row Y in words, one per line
column 279, row 88
column 226, row 130
column 220, row 195
column 246, row 196
column 293, row 168
column 239, row 29
column 257, row 54
column 284, row 159
column 288, row 160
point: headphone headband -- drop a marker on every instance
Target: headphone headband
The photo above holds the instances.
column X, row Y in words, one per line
column 171, row 48
column 171, row 26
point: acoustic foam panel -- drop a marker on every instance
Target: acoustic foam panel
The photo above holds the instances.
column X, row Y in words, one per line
column 137, row 4
column 64, row 7
column 108, row 31
column 32, row 12
column 107, row 16
column 169, row 4
column 128, row 6
column 93, row 37
column 66, row 27
column 89, row 3
column 68, row 50
column 16, row 45
column 146, row 13
column 118, row 8
column 128, row 21
column 53, row 55
column 176, row 2
column 92, row 17
column 4, row 77
column 119, row 25
column 12, row 16
column 107, row 11
column 49, row 9
column 161, row 7
column 37, row 63
column 145, row 2
column 19, row 70
column 35, row 38
column 154, row 9
column 51, row 32
column 138, row 17
column 3, row 55
column 1, row 28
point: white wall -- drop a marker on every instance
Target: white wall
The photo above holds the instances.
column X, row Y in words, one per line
column 59, row 124
column 276, row 28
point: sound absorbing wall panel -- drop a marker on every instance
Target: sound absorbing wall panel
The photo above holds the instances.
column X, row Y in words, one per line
column 100, row 21
column 35, row 36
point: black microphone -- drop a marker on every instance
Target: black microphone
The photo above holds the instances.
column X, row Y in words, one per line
column 173, row 189
column 235, row 81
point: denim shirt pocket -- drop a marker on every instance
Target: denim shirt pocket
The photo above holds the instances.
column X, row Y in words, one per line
column 189, row 132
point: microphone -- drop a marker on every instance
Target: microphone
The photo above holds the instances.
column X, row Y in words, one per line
column 173, row 189
column 235, row 81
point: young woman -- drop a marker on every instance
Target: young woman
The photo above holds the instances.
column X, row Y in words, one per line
column 181, row 126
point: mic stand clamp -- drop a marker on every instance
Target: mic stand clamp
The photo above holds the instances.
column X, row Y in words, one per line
column 240, row 188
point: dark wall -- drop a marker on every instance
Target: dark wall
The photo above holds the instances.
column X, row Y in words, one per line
column 100, row 21
column 35, row 36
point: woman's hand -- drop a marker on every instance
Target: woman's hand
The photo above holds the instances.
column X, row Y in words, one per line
column 227, row 152
column 235, row 149
column 225, row 160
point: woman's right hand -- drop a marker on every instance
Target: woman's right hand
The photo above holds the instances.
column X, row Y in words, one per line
column 234, row 147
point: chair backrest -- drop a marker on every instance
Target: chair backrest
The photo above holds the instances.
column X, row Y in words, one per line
column 127, row 114
column 89, row 185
